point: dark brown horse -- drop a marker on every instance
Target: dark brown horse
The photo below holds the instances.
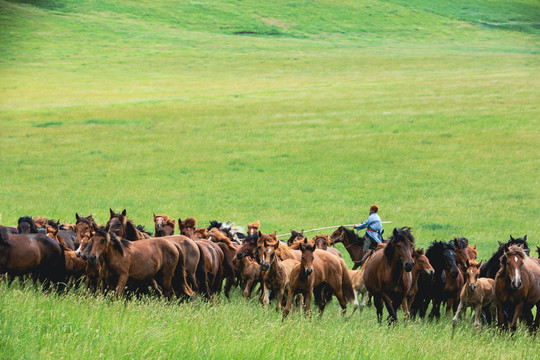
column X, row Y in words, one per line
column 421, row 265
column 213, row 262
column 283, row 252
column 124, row 228
column 321, row 274
column 352, row 242
column 27, row 225
column 517, row 289
column 164, row 225
column 34, row 254
column 154, row 260
column 187, row 227
column 387, row 276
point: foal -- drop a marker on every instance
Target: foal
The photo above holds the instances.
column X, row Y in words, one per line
column 477, row 293
column 277, row 275
column 421, row 265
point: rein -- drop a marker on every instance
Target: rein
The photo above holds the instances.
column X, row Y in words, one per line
column 329, row 227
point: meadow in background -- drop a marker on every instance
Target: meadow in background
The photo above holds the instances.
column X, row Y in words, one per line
column 299, row 114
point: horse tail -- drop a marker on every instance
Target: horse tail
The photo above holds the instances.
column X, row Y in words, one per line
column 346, row 283
column 3, row 235
column 180, row 278
column 201, row 275
column 229, row 270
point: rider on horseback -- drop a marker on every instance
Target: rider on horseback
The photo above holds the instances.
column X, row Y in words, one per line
column 373, row 227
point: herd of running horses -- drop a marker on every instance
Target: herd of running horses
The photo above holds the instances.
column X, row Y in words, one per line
column 123, row 257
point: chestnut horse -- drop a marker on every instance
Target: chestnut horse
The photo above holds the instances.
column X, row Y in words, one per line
column 213, row 261
column 388, row 275
column 421, row 265
column 283, row 252
column 517, row 289
column 250, row 273
column 277, row 274
column 35, row 254
column 321, row 274
column 253, row 228
column 322, row 241
column 144, row 260
column 163, row 225
column 187, row 227
column 124, row 228
column 352, row 242
column 477, row 293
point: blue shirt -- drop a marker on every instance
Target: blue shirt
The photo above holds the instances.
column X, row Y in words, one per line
column 374, row 223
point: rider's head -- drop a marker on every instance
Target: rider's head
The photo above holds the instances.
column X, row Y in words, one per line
column 373, row 209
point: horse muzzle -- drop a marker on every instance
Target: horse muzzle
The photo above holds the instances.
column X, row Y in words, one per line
column 408, row 266
column 265, row 266
column 454, row 273
column 472, row 287
column 515, row 284
column 93, row 259
column 240, row 255
column 309, row 271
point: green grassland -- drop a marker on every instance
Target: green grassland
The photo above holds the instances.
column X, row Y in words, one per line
column 299, row 114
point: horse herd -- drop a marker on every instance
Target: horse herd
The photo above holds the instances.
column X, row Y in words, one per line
column 123, row 257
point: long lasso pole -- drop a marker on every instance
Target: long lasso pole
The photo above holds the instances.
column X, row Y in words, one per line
column 328, row 227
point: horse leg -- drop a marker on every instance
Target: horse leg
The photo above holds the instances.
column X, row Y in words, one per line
column 517, row 313
column 477, row 314
column 307, row 302
column 355, row 304
column 287, row 308
column 377, row 301
column 461, row 308
column 279, row 297
column 122, row 280
column 247, row 288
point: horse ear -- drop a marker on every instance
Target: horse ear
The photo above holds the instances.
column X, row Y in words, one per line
column 124, row 212
column 77, row 216
column 112, row 212
column 395, row 233
column 154, row 214
column 506, row 248
column 173, row 221
column 500, row 244
column 511, row 238
column 480, row 264
column 260, row 234
column 274, row 234
column 525, row 238
column 474, row 246
column 467, row 262
column 277, row 245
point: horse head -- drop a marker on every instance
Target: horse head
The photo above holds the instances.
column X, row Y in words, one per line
column 401, row 245
column 520, row 241
column 421, row 262
column 307, row 248
column 26, row 225
column 99, row 244
column 264, row 241
column 295, row 236
column 471, row 274
column 321, row 241
column 163, row 225
column 515, row 258
column 249, row 247
column 268, row 255
column 253, row 227
column 85, row 227
column 117, row 223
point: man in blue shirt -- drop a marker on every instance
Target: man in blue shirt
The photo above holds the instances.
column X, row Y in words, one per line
column 373, row 226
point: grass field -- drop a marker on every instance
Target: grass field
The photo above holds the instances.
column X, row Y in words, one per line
column 299, row 114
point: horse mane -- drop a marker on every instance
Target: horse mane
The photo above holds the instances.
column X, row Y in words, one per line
column 4, row 235
column 398, row 235
column 28, row 219
column 473, row 263
column 218, row 236
column 40, row 220
column 214, row 224
column 538, row 250
column 256, row 225
column 418, row 252
column 294, row 235
column 88, row 220
column 296, row 245
column 55, row 224
column 141, row 229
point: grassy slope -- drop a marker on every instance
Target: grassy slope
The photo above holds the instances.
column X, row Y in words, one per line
column 430, row 111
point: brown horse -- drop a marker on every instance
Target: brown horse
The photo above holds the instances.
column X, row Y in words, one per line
column 124, row 228
column 321, row 274
column 276, row 278
column 352, row 242
column 387, row 276
column 477, row 293
column 35, row 254
column 322, row 241
column 85, row 228
column 464, row 253
column 229, row 249
column 146, row 260
column 253, row 228
column 517, row 289
column 250, row 273
column 213, row 262
column 421, row 265
column 163, row 225
column 295, row 237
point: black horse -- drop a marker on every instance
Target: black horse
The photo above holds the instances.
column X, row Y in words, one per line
column 442, row 257
column 490, row 268
column 27, row 225
column 228, row 229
